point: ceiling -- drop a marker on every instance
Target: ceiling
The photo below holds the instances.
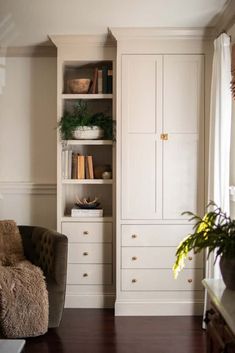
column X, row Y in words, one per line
column 28, row 22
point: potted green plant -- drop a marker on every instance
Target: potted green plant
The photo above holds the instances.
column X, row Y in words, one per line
column 215, row 232
column 80, row 124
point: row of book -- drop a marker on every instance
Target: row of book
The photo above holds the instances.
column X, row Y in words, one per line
column 102, row 80
column 76, row 166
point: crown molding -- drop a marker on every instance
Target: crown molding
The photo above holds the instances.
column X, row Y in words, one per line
column 226, row 18
column 29, row 51
column 127, row 33
column 71, row 40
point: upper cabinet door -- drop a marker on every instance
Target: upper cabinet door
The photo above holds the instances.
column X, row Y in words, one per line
column 183, row 121
column 141, row 127
column 183, row 93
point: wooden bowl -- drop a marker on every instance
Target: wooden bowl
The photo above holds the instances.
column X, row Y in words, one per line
column 79, row 85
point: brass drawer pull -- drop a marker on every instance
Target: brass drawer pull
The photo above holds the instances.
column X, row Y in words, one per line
column 134, row 280
column 190, row 280
column 85, row 253
column 190, row 258
column 134, row 236
column 134, row 258
column 85, row 274
column 85, row 232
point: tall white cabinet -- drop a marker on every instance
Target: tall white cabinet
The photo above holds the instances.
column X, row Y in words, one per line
column 160, row 169
column 91, row 240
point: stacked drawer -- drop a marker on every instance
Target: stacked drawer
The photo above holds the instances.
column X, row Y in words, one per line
column 89, row 253
column 147, row 257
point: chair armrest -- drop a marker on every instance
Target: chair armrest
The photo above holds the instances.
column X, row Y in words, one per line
column 47, row 249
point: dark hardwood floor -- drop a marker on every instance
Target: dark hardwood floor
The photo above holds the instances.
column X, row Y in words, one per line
column 98, row 331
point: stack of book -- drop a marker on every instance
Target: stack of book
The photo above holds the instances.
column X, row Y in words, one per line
column 102, row 80
column 81, row 212
column 76, row 166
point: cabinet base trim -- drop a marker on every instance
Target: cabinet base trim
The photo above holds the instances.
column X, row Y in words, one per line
column 158, row 308
column 90, row 301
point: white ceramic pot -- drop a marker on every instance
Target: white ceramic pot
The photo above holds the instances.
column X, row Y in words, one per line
column 88, row 133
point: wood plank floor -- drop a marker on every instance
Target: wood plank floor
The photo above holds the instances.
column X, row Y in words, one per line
column 98, row 331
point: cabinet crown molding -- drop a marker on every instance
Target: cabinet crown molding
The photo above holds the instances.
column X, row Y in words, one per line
column 87, row 39
column 128, row 33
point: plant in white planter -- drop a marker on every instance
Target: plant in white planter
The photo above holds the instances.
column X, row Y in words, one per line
column 79, row 124
column 216, row 232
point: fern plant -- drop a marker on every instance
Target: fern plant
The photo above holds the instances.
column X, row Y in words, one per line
column 215, row 231
column 80, row 116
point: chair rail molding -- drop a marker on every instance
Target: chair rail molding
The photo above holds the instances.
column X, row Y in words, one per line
column 22, row 187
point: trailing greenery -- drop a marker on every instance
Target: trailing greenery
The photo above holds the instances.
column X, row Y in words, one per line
column 80, row 116
column 215, row 231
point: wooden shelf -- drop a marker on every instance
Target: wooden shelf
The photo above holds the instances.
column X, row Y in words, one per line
column 86, row 219
column 87, row 142
column 87, row 181
column 86, row 96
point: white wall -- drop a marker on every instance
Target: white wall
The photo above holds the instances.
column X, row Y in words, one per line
column 28, row 141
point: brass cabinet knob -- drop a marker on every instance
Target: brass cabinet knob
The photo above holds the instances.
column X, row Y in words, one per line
column 190, row 258
column 85, row 274
column 134, row 280
column 85, row 232
column 85, row 253
column 134, row 236
column 134, row 258
column 190, row 280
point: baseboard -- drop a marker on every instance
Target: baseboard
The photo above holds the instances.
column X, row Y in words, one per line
column 90, row 301
column 128, row 308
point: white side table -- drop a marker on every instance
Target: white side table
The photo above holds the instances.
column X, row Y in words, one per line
column 11, row 346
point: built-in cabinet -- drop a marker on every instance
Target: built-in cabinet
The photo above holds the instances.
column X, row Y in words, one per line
column 91, row 238
column 160, row 81
column 160, row 171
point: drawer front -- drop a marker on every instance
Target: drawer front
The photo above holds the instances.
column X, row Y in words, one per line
column 89, row 274
column 161, row 280
column 154, row 235
column 84, row 232
column 156, row 257
column 90, row 253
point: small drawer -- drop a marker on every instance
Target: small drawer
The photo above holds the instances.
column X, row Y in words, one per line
column 90, row 253
column 156, row 257
column 83, row 232
column 161, row 280
column 154, row 235
column 89, row 274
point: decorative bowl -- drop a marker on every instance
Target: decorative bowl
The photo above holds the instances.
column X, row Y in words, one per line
column 79, row 85
column 88, row 133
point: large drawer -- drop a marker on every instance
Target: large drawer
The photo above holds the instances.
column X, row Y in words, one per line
column 161, row 280
column 89, row 274
column 90, row 253
column 154, row 235
column 156, row 257
column 84, row 232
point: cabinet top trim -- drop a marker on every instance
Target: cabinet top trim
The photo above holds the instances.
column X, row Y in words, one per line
column 162, row 33
column 71, row 40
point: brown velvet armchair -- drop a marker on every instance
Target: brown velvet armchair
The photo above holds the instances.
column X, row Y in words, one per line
column 48, row 249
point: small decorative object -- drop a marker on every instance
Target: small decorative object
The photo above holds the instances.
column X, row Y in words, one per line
column 100, row 169
column 79, row 85
column 88, row 133
column 106, row 175
column 216, row 232
column 99, row 124
column 87, row 203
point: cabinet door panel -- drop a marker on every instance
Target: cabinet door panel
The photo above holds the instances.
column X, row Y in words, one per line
column 141, row 81
column 183, row 93
column 141, row 195
column 180, row 175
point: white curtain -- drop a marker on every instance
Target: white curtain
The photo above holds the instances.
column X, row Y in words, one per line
column 220, row 131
